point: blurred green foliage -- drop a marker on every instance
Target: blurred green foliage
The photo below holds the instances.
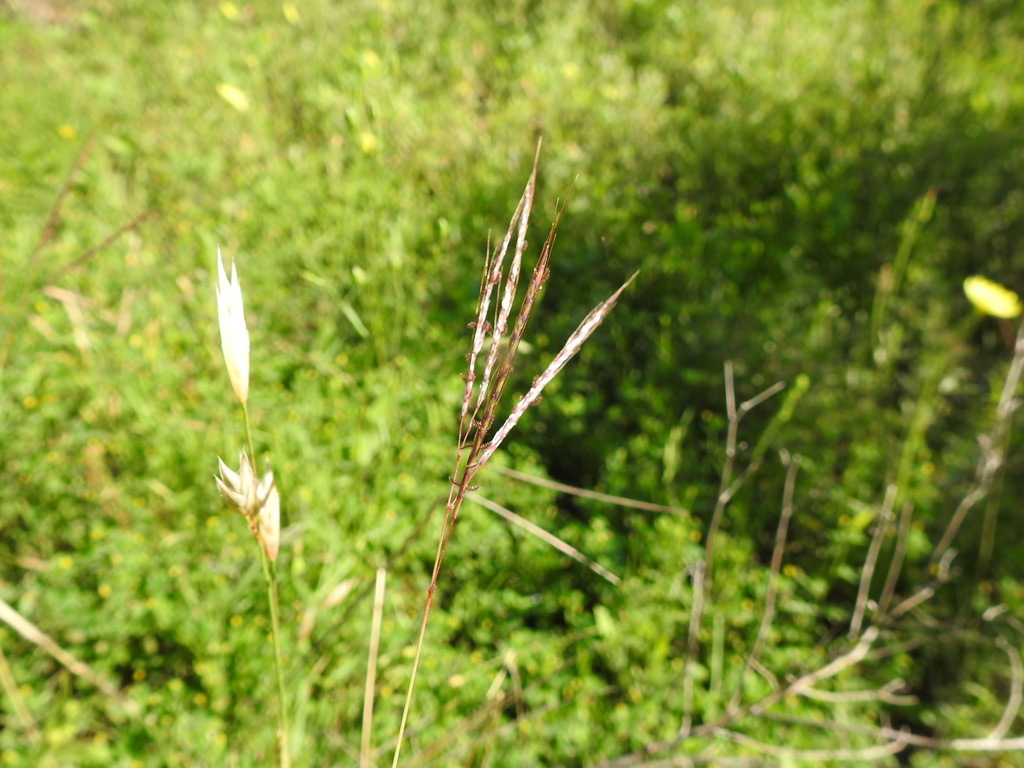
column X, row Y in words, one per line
column 803, row 185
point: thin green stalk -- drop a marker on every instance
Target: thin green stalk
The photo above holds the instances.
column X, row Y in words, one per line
column 270, row 574
column 11, row 689
column 248, row 435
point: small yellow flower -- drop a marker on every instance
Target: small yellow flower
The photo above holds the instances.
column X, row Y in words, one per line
column 234, row 96
column 991, row 298
column 370, row 59
column 367, row 142
column 291, row 13
column 234, row 336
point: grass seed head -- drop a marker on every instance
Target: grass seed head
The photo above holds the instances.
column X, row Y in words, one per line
column 270, row 519
column 234, row 336
column 238, row 489
column 256, row 500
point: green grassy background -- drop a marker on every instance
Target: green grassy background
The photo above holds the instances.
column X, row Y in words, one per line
column 764, row 165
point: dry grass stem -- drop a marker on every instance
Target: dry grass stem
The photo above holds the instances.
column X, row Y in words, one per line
column 926, row 592
column 813, row 755
column 896, row 564
column 1013, row 701
column 871, row 559
column 583, row 493
column 890, row 693
column 993, row 448
column 865, row 640
column 46, row 233
column 547, row 538
column 768, row 614
column 336, row 596
column 36, row 636
column 728, row 486
column 105, row 243
column 365, row 748
column 501, row 336
column 853, row 656
column 568, row 351
column 74, row 305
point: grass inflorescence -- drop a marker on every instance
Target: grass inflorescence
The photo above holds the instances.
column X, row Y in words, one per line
column 821, row 566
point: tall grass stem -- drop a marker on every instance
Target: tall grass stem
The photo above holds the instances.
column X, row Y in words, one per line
column 270, row 575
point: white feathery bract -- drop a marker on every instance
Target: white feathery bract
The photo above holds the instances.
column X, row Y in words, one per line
column 234, row 336
column 256, row 500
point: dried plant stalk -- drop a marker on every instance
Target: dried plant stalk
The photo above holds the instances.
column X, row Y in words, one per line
column 500, row 336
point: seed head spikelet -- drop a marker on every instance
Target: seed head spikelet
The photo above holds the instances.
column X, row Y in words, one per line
column 497, row 338
column 234, row 336
column 236, row 487
column 499, row 328
column 256, row 500
column 269, row 514
column 568, row 351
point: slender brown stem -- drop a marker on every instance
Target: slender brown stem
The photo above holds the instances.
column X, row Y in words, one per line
column 482, row 397
column 54, row 216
